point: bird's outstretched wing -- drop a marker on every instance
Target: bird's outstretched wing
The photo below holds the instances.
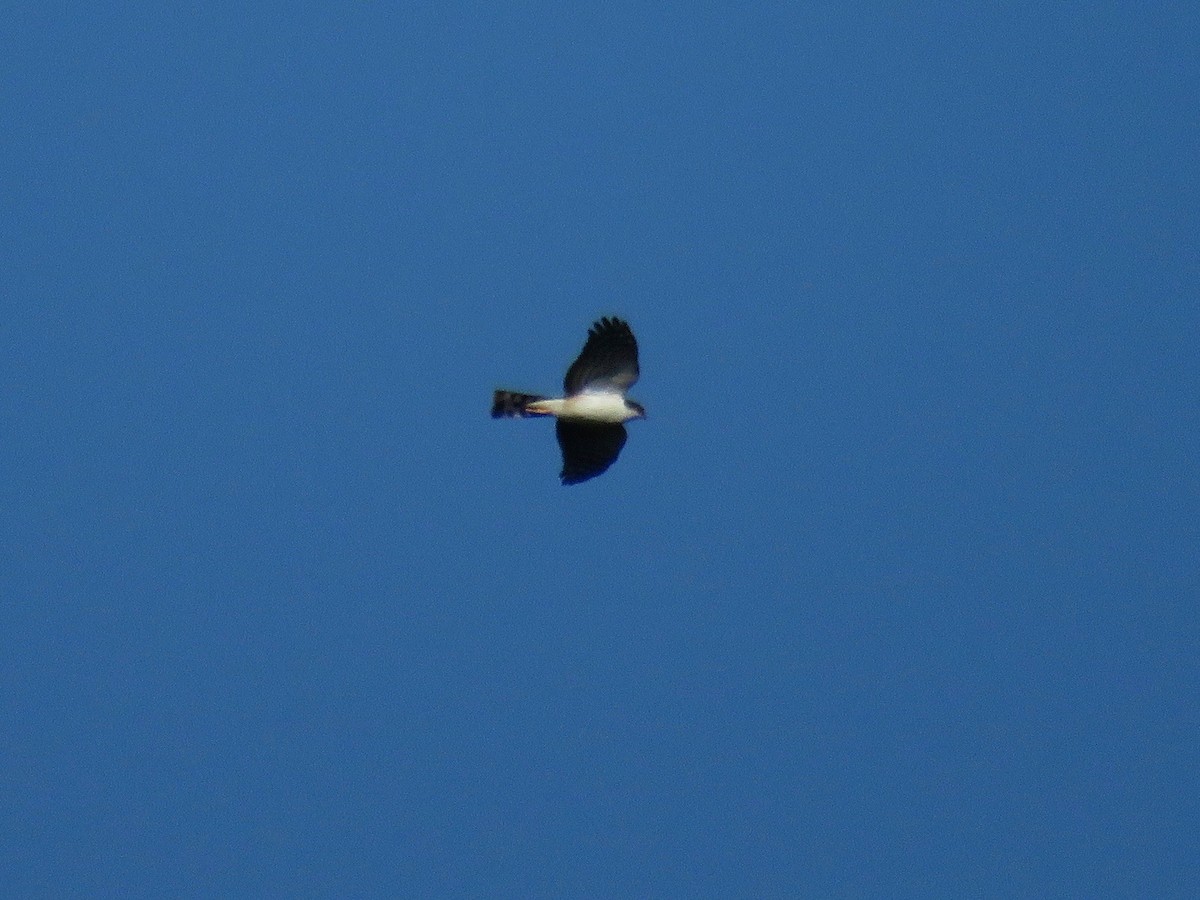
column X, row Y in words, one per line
column 609, row 360
column 588, row 448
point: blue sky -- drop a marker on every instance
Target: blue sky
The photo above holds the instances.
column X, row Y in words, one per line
column 893, row 594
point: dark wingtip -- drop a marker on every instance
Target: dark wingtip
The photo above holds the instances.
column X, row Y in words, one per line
column 608, row 323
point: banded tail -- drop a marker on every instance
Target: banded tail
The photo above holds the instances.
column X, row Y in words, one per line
column 511, row 405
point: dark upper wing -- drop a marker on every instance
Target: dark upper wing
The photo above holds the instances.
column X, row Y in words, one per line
column 587, row 448
column 608, row 361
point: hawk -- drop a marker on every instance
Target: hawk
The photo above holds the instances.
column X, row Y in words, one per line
column 590, row 416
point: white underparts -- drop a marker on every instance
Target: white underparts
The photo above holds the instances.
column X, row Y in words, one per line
column 593, row 407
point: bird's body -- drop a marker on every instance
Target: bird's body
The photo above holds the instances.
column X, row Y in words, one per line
column 590, row 406
column 590, row 416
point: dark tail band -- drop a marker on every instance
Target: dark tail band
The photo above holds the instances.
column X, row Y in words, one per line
column 511, row 405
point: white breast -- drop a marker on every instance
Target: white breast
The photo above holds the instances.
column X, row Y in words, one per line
column 597, row 407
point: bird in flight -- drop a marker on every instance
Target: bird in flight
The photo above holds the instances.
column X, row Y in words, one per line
column 590, row 416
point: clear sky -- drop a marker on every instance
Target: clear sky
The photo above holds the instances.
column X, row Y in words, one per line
column 893, row 594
